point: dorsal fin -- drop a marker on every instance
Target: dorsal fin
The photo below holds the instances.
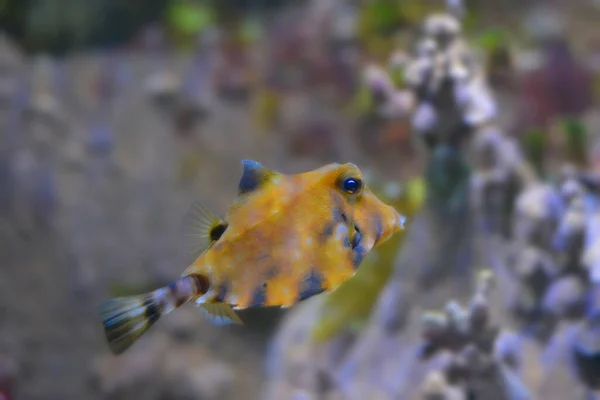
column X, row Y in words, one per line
column 254, row 176
column 201, row 228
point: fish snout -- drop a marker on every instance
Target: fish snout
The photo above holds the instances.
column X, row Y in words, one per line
column 391, row 222
column 377, row 221
column 398, row 220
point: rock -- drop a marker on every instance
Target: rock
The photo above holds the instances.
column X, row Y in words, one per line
column 184, row 324
column 131, row 371
column 211, row 381
column 565, row 297
column 436, row 387
column 8, row 375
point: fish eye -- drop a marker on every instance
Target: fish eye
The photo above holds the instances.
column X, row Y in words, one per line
column 351, row 185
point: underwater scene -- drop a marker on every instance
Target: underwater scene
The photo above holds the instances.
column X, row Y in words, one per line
column 299, row 199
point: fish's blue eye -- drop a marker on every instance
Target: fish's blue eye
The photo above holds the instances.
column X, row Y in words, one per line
column 352, row 185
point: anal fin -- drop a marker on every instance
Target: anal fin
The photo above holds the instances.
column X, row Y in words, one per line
column 220, row 313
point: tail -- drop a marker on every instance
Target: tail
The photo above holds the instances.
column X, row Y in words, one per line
column 126, row 319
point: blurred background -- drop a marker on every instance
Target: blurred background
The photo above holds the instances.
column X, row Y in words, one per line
column 478, row 120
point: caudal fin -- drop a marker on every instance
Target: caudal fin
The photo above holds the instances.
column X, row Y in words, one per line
column 127, row 318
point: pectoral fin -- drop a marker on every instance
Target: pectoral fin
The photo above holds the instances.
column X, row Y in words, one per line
column 220, row 313
column 201, row 228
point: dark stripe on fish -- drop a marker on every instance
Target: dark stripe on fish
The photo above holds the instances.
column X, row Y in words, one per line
column 347, row 243
column 152, row 312
column 343, row 217
column 259, row 297
column 378, row 229
column 175, row 294
column 358, row 255
column 311, row 285
column 355, row 240
column 327, row 232
column 179, row 291
column 115, row 319
column 222, row 291
column 338, row 215
column 172, row 288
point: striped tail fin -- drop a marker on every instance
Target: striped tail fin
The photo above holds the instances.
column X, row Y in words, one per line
column 126, row 319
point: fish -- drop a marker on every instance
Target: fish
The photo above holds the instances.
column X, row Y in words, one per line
column 284, row 239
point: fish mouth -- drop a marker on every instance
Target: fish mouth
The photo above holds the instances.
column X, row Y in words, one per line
column 356, row 238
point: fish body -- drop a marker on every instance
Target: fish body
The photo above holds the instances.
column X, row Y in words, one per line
column 288, row 248
column 285, row 238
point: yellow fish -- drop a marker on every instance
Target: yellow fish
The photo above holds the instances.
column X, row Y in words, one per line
column 285, row 238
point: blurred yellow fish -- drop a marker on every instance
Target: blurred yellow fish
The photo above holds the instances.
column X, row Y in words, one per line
column 285, row 238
